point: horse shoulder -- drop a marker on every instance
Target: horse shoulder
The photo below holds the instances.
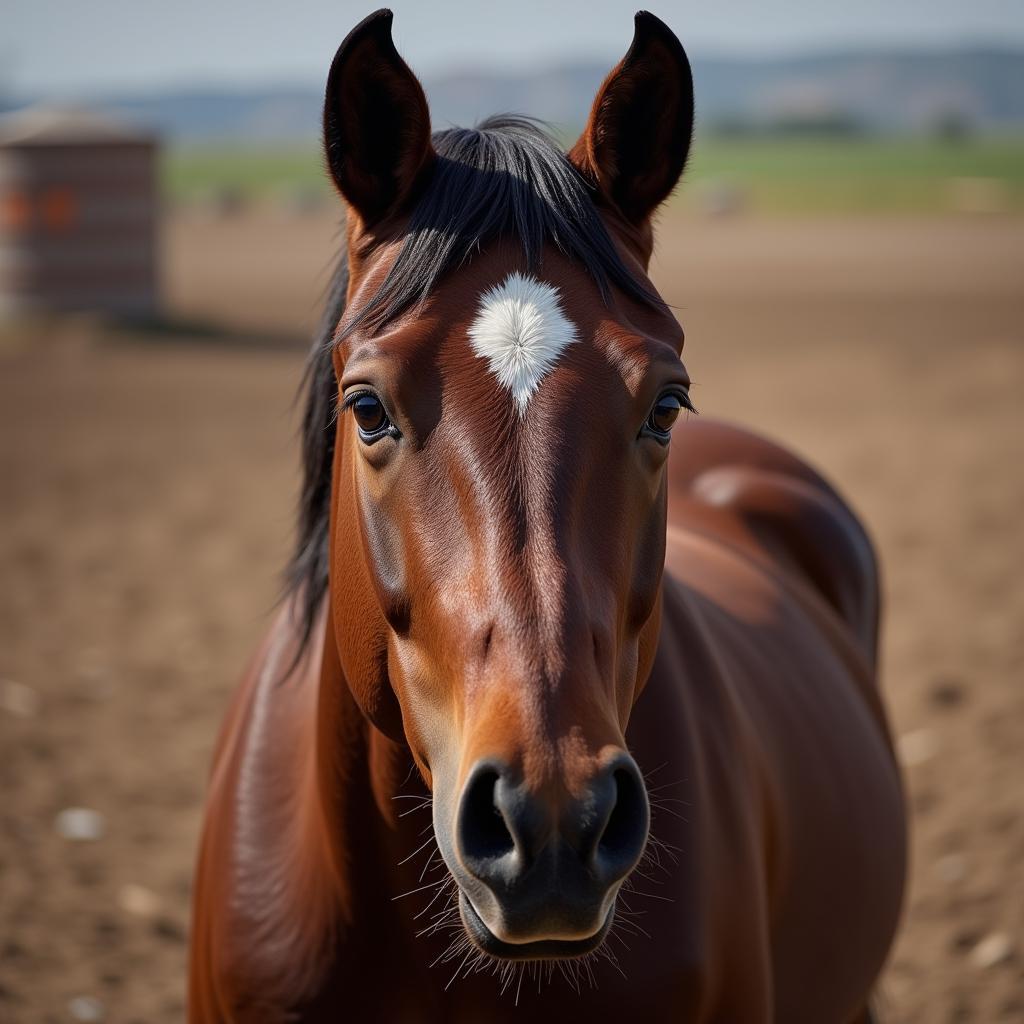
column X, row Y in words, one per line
column 756, row 496
column 756, row 536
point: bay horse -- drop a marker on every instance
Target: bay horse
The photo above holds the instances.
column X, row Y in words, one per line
column 521, row 624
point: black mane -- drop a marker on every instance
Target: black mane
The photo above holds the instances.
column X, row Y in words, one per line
column 506, row 178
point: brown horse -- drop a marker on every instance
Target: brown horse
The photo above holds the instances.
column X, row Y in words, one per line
column 515, row 603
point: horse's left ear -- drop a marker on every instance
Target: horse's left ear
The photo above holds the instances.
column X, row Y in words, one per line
column 376, row 122
column 635, row 145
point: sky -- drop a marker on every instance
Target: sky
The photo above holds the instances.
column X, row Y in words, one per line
column 94, row 46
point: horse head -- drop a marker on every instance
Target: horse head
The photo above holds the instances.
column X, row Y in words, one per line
column 506, row 381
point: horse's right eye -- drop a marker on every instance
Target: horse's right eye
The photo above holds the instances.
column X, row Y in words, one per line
column 369, row 414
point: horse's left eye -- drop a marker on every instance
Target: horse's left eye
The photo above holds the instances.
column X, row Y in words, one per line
column 665, row 413
column 370, row 415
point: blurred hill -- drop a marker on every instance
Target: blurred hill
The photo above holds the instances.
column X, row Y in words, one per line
column 890, row 91
column 894, row 91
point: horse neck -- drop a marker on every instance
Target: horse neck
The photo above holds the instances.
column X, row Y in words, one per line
column 359, row 772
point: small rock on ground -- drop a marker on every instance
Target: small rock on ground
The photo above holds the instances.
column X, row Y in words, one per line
column 916, row 747
column 80, row 824
column 18, row 699
column 87, row 1009
column 138, row 900
column 993, row 950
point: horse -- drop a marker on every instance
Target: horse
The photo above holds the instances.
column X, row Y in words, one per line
column 570, row 709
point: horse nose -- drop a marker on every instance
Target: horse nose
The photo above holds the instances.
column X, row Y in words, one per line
column 506, row 833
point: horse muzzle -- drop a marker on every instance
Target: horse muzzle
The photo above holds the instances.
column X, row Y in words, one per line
column 539, row 876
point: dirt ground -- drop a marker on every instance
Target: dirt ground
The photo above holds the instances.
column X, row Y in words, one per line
column 146, row 490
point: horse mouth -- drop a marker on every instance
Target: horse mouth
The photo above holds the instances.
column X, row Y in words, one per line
column 543, row 949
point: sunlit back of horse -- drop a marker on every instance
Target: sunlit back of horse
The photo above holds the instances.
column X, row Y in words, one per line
column 571, row 708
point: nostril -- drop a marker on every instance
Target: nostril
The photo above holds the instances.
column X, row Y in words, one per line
column 625, row 832
column 624, row 821
column 483, row 832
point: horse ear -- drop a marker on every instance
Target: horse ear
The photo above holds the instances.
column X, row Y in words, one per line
column 635, row 145
column 376, row 122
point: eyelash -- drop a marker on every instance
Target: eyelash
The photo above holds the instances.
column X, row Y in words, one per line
column 684, row 397
column 348, row 400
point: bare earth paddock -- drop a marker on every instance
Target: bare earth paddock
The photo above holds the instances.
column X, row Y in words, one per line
column 146, row 489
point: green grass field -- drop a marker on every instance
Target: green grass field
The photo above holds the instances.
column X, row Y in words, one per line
column 770, row 176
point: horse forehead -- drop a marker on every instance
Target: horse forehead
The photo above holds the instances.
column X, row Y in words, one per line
column 522, row 325
column 520, row 328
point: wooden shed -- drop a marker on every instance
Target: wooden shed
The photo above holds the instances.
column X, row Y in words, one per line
column 78, row 214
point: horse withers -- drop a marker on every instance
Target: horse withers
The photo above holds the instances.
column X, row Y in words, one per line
column 571, row 708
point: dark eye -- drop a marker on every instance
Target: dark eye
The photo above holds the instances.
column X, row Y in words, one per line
column 369, row 414
column 665, row 413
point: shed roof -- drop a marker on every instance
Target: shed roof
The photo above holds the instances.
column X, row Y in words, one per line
column 67, row 126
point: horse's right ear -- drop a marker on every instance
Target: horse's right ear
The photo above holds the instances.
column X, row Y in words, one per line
column 376, row 122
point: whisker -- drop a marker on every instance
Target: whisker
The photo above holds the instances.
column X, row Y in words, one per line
column 611, row 958
column 668, row 848
column 565, row 974
column 631, row 928
column 413, row 810
column 652, row 896
column 430, row 860
column 455, row 944
column 654, row 771
column 411, row 892
column 440, row 892
column 422, row 846
column 668, row 810
column 506, row 978
column 662, row 801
